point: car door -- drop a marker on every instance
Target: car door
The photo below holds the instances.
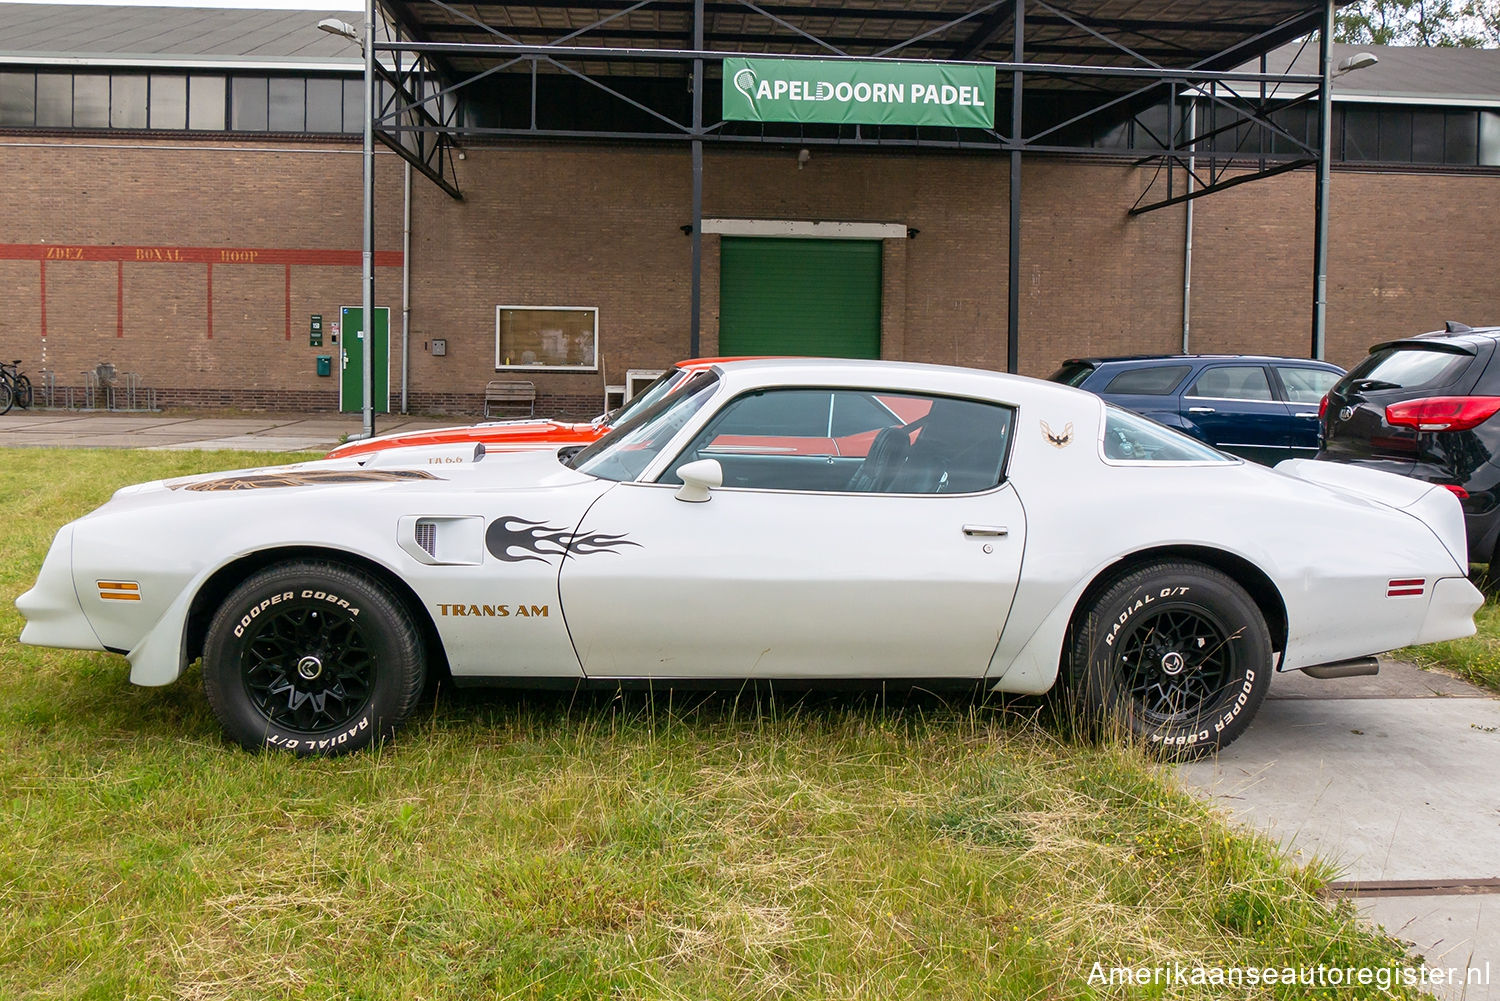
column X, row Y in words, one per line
column 1233, row 408
column 1303, row 387
column 906, row 569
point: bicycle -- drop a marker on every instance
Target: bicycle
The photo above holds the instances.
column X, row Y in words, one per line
column 15, row 387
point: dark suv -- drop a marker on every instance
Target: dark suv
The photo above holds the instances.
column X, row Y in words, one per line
column 1425, row 407
column 1259, row 407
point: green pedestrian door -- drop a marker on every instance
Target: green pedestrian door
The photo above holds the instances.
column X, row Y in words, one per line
column 782, row 296
column 351, row 353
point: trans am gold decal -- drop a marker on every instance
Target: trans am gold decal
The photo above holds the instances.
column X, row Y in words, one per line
column 1055, row 439
column 306, row 478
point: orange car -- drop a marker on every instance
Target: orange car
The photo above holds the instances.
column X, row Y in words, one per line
column 527, row 434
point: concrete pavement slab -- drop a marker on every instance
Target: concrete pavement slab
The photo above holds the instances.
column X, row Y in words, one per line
column 250, row 443
column 1391, row 778
column 1396, row 680
column 1452, row 933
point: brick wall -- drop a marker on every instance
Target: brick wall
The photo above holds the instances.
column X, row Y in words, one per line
column 589, row 226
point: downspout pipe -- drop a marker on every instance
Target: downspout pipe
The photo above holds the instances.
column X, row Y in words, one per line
column 406, row 281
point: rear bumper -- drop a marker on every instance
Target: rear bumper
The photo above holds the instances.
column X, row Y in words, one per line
column 1450, row 613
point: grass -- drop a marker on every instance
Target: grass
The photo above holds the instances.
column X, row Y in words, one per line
column 553, row 846
column 1476, row 658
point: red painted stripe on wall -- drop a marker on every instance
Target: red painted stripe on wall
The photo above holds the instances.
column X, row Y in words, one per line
column 120, row 299
column 193, row 255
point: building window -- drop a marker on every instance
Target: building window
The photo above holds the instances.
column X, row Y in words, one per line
column 1489, row 138
column 288, row 105
column 547, row 337
column 17, row 99
column 127, row 102
column 248, row 104
column 206, row 103
column 167, row 102
column 91, row 101
column 54, row 100
column 325, row 104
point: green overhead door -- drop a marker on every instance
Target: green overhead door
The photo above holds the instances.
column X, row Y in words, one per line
column 799, row 297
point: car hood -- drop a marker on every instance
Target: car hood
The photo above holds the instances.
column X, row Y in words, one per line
column 524, row 434
column 500, row 471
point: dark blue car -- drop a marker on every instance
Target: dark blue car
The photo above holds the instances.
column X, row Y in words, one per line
column 1260, row 407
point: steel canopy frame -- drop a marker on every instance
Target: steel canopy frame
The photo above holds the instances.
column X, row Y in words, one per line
column 1131, row 64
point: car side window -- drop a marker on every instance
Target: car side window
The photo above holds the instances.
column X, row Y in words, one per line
column 854, row 441
column 1233, row 382
column 1306, row 385
column 1156, row 380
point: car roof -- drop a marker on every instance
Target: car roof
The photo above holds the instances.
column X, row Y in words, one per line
column 1115, row 359
column 897, row 376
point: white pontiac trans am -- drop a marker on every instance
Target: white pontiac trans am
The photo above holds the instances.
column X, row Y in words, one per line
column 808, row 519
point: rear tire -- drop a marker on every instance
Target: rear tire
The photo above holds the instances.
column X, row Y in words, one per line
column 7, row 398
column 22, row 392
column 1175, row 654
column 314, row 658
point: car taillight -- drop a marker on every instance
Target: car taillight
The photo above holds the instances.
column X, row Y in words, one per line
column 1456, row 490
column 1443, row 413
column 1323, row 407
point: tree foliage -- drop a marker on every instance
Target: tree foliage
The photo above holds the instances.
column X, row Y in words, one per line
column 1467, row 23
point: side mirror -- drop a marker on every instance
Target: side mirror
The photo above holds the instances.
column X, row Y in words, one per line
column 697, row 478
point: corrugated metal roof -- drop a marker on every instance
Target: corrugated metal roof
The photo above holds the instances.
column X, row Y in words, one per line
column 117, row 35
column 1406, row 74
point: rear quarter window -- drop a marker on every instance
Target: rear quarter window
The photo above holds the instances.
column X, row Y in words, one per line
column 1154, row 381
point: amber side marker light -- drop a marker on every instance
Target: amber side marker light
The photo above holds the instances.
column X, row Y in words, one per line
column 119, row 590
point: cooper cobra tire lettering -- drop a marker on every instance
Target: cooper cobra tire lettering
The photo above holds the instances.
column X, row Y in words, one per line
column 1176, row 655
column 312, row 657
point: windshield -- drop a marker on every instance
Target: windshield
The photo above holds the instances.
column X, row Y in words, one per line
column 625, row 452
column 1072, row 373
column 659, row 387
column 1407, row 367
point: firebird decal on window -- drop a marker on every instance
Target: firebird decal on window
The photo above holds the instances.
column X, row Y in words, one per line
column 306, row 478
column 538, row 540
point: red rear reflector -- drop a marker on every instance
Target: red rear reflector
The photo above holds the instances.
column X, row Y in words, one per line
column 1407, row 586
column 1443, row 413
column 1323, row 407
column 1456, row 490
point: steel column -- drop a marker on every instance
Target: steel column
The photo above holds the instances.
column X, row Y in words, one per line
column 1325, row 157
column 1013, row 246
column 367, row 260
column 695, row 332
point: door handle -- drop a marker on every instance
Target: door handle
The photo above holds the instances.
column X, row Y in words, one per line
column 1200, row 410
column 990, row 531
column 1310, row 413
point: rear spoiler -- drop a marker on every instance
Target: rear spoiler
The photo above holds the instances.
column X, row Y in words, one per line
column 1425, row 345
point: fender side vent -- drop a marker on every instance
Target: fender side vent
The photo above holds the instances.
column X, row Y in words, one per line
column 426, row 534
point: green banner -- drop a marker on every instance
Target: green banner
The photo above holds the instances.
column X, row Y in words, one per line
column 847, row 92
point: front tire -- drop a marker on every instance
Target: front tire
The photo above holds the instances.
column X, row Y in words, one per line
column 1175, row 653
column 22, row 392
column 314, row 658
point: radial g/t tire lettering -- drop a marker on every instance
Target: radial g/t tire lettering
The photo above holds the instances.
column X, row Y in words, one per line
column 314, row 658
column 1176, row 654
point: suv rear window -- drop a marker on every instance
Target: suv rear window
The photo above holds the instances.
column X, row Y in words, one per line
column 1410, row 367
column 1155, row 381
column 1072, row 373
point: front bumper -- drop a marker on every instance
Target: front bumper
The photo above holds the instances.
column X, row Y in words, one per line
column 54, row 615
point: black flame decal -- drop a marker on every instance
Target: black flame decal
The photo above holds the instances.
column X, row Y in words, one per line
column 516, row 540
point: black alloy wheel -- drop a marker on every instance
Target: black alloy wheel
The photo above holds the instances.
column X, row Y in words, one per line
column 1176, row 654
column 312, row 657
